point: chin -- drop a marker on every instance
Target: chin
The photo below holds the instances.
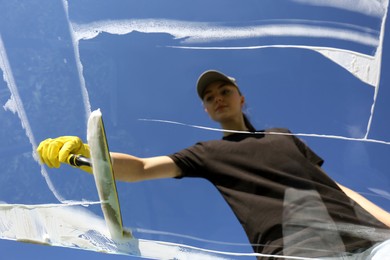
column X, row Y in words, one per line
column 221, row 119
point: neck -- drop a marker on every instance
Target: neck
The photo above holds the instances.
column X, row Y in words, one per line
column 235, row 125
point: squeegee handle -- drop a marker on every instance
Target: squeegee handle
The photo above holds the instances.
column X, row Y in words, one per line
column 79, row 160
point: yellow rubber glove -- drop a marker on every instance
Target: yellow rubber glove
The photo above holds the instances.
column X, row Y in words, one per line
column 55, row 151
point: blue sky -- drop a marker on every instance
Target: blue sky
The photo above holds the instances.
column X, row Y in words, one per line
column 139, row 60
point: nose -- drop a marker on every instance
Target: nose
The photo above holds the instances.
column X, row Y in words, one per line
column 218, row 98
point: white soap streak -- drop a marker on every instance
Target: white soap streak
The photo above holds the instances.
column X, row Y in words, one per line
column 379, row 57
column 10, row 105
column 59, row 225
column 79, row 65
column 75, row 227
column 164, row 233
column 200, row 32
column 15, row 104
column 383, row 234
column 363, row 66
column 374, row 8
column 270, row 133
column 381, row 193
column 146, row 231
column 167, row 250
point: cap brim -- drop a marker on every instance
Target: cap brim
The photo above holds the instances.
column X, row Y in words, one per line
column 209, row 77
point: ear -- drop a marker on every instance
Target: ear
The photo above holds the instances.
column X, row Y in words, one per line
column 242, row 101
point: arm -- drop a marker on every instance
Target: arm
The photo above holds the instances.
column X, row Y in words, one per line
column 130, row 168
column 379, row 213
column 373, row 209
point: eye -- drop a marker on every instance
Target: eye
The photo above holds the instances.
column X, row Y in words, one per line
column 208, row 98
column 225, row 91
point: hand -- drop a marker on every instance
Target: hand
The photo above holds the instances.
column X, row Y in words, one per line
column 55, row 151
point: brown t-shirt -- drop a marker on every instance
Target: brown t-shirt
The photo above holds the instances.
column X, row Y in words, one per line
column 283, row 200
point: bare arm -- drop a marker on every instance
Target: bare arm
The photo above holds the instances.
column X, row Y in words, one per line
column 130, row 168
column 381, row 214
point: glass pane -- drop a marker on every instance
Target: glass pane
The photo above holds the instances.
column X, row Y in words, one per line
column 317, row 68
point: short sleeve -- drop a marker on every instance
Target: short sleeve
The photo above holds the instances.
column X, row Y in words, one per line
column 191, row 160
column 308, row 152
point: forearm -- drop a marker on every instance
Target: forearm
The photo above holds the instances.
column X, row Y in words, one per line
column 130, row 168
column 373, row 209
column 127, row 167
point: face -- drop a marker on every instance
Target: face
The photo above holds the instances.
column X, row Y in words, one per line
column 223, row 102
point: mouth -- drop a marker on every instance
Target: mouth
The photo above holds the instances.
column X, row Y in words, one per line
column 219, row 108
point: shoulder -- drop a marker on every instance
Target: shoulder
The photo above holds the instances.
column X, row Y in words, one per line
column 194, row 159
column 278, row 130
column 200, row 151
column 194, row 151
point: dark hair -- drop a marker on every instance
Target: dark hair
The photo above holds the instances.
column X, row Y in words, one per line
column 248, row 123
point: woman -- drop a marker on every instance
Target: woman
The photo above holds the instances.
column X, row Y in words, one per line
column 272, row 181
